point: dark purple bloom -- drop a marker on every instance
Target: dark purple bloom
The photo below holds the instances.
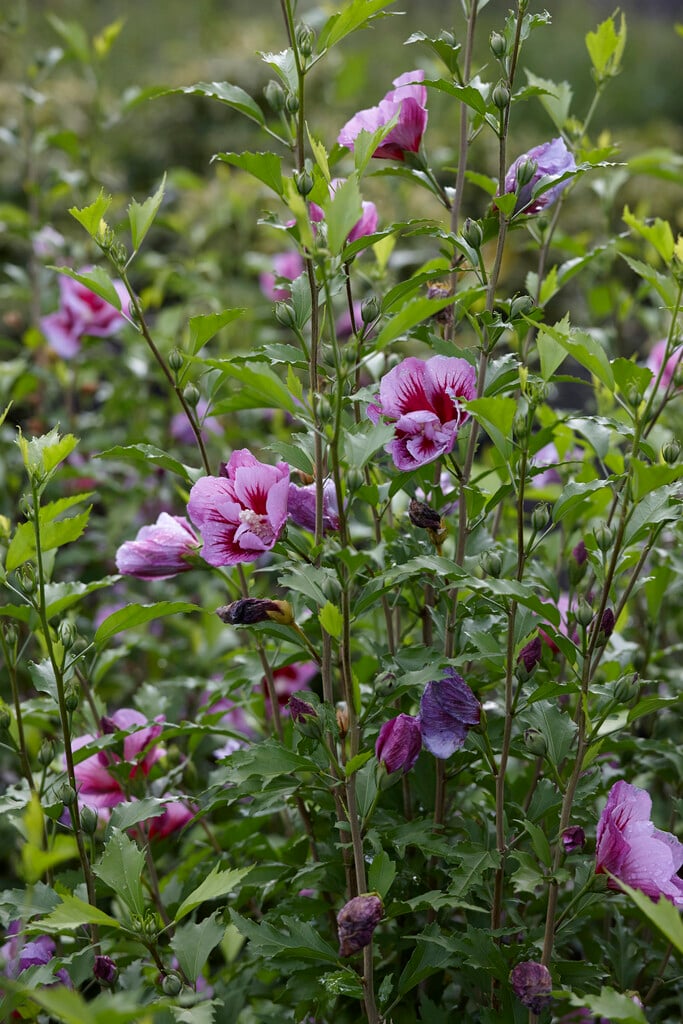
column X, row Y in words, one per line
column 17, row 955
column 301, row 506
column 607, row 623
column 408, row 102
column 530, row 655
column 424, row 516
column 573, row 838
column 105, row 969
column 399, row 743
column 580, row 553
column 423, row 399
column 301, row 711
column 629, row 846
column 532, row 984
column 552, row 160
column 448, row 710
column 249, row 610
column 356, row 921
column 159, row 551
column 289, row 679
column 242, row 514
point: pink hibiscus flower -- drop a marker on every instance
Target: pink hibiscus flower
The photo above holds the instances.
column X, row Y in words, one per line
column 408, row 102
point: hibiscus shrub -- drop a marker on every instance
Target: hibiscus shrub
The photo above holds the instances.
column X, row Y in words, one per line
column 340, row 624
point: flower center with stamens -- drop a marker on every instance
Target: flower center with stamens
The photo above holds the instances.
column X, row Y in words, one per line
column 257, row 524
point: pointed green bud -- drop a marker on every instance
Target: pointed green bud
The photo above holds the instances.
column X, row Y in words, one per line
column 191, row 395
column 498, row 44
column 501, row 95
column 275, row 96
column 176, row 360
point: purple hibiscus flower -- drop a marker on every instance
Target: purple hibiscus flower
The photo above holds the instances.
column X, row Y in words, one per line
column 159, row 551
column 629, row 846
column 399, row 743
column 408, row 102
column 448, row 710
column 301, row 506
column 287, row 266
column 552, row 160
column 242, row 514
column 17, row 954
column 423, row 399
column 81, row 312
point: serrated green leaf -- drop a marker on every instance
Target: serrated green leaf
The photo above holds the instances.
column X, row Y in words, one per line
column 141, row 215
column 265, row 167
column 658, row 233
column 261, row 388
column 97, row 280
column 284, row 66
column 606, row 47
column 619, row 1006
column 192, row 944
column 204, row 328
column 558, row 729
column 381, row 874
column 43, row 454
column 71, row 913
column 52, row 535
column 354, row 15
column 229, row 94
column 216, row 885
column 585, row 350
column 574, row 495
column 146, row 455
column 138, row 614
column 300, row 940
column 342, row 212
column 125, row 815
column 662, row 914
column 120, row 867
column 413, row 313
column 90, row 217
column 331, row 620
column 555, row 99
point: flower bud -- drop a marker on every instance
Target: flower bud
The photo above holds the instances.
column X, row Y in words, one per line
column 584, row 613
column 472, row 233
column 532, row 984
column 529, row 659
column 501, row 95
column 324, row 408
column 342, row 715
column 305, row 37
column 176, row 360
column 285, row 314
column 399, row 743
column 5, row 717
column 72, row 699
column 249, row 610
column 354, row 478
column 492, row 563
column 498, row 44
column 10, row 633
column 67, row 794
column 535, row 742
column 521, row 305
column 105, row 969
column 292, row 103
column 66, row 634
column 46, row 753
column 172, row 984
column 191, row 395
column 573, row 838
column 604, row 537
column 89, row 820
column 634, row 396
column 525, row 171
column 627, row 689
column 27, row 579
column 304, row 182
column 275, row 96
column 520, row 427
column 370, row 309
column 356, row 921
column 304, row 716
column 540, row 517
column 671, row 451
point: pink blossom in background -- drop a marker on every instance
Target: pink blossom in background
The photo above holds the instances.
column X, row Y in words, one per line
column 242, row 514
column 548, row 456
column 290, row 679
column 182, row 431
column 233, row 718
column 18, row 953
column 364, row 226
column 288, row 265
column 656, row 358
column 422, row 397
column 301, row 506
column 159, row 551
column 408, row 102
column 629, row 846
column 48, row 242
column 177, row 814
column 81, row 312
column 552, row 159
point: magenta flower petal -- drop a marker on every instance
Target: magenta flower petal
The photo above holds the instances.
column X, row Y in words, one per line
column 399, row 743
column 158, row 551
column 407, row 102
column 62, row 332
column 301, row 506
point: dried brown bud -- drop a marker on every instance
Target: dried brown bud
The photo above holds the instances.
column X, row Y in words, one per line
column 250, row 610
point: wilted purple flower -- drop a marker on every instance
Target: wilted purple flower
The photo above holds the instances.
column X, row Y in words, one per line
column 17, row 955
column 250, row 610
column 448, row 710
column 399, row 743
column 552, row 160
column 607, row 623
column 573, row 838
column 287, row 265
column 243, row 514
column 408, row 102
column 629, row 847
column 530, row 655
column 532, row 984
column 656, row 358
column 81, row 312
column 366, row 224
column 105, row 969
column 301, row 711
column 356, row 921
column 159, row 551
column 423, row 399
column 301, row 506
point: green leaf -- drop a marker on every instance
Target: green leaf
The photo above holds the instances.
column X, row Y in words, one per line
column 354, row 15
column 413, row 313
column 97, row 280
column 331, row 619
column 628, row 375
column 226, row 93
column 35, row 861
column 192, row 944
column 284, row 65
column 72, row 913
column 556, row 98
column 585, row 349
column 427, row 958
column 557, row 728
column 363, row 440
column 300, row 941
column 495, row 415
column 381, row 874
column 366, row 143
column 606, row 48
column 265, row 167
column 125, row 815
column 539, row 842
column 658, row 506
column 620, row 1007
column 90, row 217
column 147, row 455
column 141, row 215
column 343, row 983
column 216, row 885
column 647, row 478
column 73, row 35
column 658, row 233
column 43, row 454
column 52, row 535
column 467, row 94
column 354, row 764
column 662, row 914
column 551, row 352
column 574, row 495
column 138, row 614
column 549, row 287
column 203, row 328
column 120, row 867
column 342, row 212
column 261, row 388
